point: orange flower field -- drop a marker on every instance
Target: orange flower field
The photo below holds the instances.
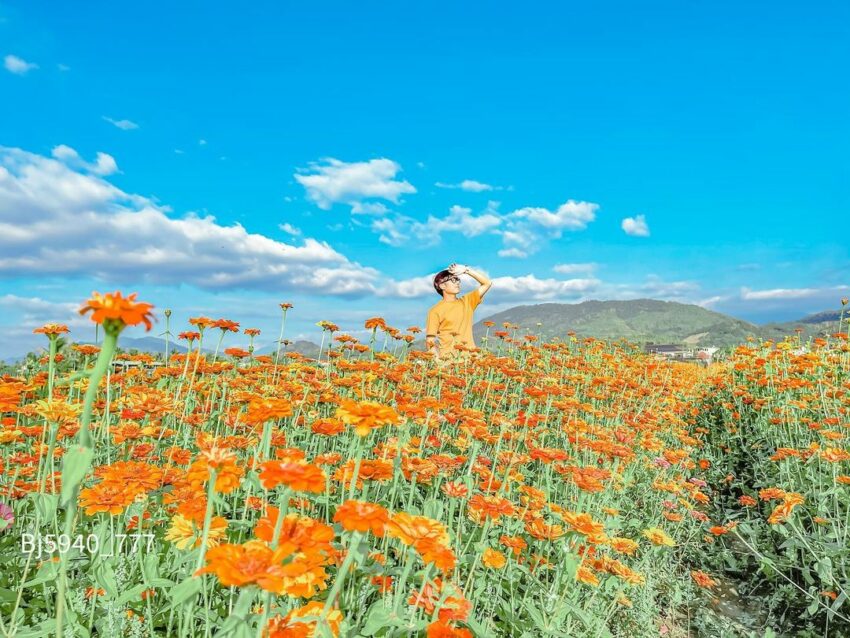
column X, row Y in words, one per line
column 571, row 488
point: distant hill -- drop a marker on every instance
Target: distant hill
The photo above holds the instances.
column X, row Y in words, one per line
column 638, row 320
column 820, row 324
column 307, row 348
column 645, row 321
column 153, row 345
column 824, row 317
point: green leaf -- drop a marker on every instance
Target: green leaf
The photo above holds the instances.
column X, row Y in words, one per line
column 132, row 594
column 824, row 570
column 150, row 567
column 813, row 607
column 47, row 572
column 77, row 462
column 236, row 625
column 105, row 577
column 46, row 506
column 184, row 591
column 378, row 618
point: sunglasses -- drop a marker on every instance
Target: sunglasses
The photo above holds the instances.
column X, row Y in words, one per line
column 454, row 279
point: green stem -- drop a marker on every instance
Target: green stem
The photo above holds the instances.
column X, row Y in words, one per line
column 340, row 577
column 110, row 340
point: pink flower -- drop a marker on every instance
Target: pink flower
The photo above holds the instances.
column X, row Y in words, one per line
column 7, row 516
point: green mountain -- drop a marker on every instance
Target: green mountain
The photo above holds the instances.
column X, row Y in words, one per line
column 648, row 321
column 820, row 324
column 638, row 320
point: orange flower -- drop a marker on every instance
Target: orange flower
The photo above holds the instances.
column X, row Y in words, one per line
column 254, row 562
column 361, row 516
column 410, row 529
column 583, row 523
column 515, row 543
column 299, row 476
column 623, row 545
column 541, row 530
column 383, row 583
column 585, row 575
column 311, row 628
column 327, row 427
column 113, row 309
column 366, row 416
column 375, row 322
column 370, row 470
column 433, row 551
column 493, row 559
column 51, row 329
column 702, row 579
column 770, row 493
column 455, row 608
column 228, row 474
column 107, row 497
column 297, row 533
column 265, row 409
column 490, row 506
column 442, row 629
column 455, row 490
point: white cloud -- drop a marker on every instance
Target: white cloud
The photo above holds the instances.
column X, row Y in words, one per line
column 469, row 185
column 335, row 181
column 17, row 65
column 104, row 163
column 513, row 252
column 38, row 307
column 55, row 220
column 202, row 142
column 708, row 302
column 63, row 67
column 290, row 229
column 517, row 289
column 527, row 229
column 657, row 287
column 65, row 153
column 369, row 208
column 397, row 230
column 24, row 314
column 635, row 226
column 569, row 269
column 777, row 304
column 124, row 125
column 748, row 294
column 571, row 215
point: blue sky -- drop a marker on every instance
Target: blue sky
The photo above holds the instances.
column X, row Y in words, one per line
column 220, row 159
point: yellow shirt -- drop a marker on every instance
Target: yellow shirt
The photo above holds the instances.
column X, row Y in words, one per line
column 451, row 321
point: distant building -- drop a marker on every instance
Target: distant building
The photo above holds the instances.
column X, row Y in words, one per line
column 678, row 352
column 122, row 365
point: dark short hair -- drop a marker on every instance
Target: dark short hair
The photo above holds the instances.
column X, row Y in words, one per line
column 440, row 278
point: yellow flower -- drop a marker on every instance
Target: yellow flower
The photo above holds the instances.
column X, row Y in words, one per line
column 57, row 411
column 658, row 537
column 184, row 533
